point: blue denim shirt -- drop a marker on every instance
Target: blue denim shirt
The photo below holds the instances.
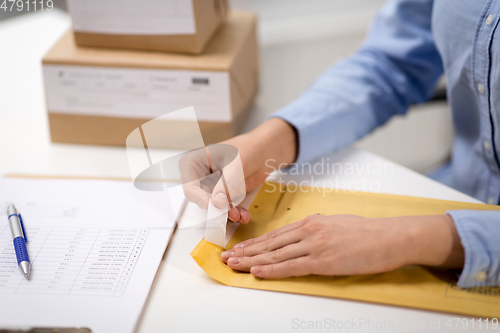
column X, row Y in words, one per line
column 410, row 45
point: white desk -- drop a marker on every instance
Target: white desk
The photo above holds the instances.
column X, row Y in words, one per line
column 183, row 297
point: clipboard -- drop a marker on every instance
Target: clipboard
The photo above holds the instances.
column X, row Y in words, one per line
column 85, row 329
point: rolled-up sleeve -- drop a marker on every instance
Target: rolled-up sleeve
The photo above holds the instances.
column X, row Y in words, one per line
column 397, row 66
column 479, row 232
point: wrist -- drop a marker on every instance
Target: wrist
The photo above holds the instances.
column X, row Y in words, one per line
column 276, row 141
column 434, row 241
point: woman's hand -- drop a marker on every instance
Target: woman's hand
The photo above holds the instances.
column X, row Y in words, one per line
column 348, row 245
column 274, row 141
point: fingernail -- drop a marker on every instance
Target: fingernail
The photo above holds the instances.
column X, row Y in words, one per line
column 234, row 260
column 238, row 245
column 221, row 198
column 228, row 254
column 256, row 270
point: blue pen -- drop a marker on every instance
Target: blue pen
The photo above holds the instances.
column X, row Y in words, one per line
column 20, row 240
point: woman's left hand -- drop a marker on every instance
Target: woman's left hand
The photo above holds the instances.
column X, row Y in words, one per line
column 348, row 245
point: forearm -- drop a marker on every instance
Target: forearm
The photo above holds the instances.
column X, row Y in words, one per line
column 397, row 66
column 276, row 140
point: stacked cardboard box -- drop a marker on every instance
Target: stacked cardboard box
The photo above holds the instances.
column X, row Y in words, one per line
column 100, row 95
column 157, row 25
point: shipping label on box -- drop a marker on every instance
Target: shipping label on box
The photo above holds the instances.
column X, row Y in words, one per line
column 137, row 93
column 144, row 17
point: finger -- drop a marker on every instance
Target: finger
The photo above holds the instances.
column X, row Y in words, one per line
column 208, row 183
column 234, row 180
column 266, row 246
column 196, row 195
column 293, row 267
column 219, row 199
column 231, row 185
column 244, row 215
column 234, row 214
column 194, row 165
column 197, row 180
column 279, row 255
column 272, row 234
column 239, row 214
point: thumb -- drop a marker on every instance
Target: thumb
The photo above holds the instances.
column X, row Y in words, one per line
column 230, row 187
column 219, row 196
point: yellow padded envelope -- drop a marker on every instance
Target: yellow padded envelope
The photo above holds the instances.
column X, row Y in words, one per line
column 410, row 286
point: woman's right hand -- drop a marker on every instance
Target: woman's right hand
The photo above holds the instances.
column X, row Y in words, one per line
column 269, row 147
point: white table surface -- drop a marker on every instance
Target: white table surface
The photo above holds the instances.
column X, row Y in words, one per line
column 183, row 297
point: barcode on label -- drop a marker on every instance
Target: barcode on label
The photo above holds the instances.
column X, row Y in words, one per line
column 199, row 80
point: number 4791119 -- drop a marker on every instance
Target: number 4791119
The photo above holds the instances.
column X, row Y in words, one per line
column 26, row 5
column 464, row 323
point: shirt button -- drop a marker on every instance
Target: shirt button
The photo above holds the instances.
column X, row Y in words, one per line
column 491, row 201
column 480, row 88
column 481, row 276
column 486, row 146
column 489, row 19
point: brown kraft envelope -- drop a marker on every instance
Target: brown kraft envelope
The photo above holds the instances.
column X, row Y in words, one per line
column 409, row 286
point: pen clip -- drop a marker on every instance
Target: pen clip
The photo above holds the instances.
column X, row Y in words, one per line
column 22, row 227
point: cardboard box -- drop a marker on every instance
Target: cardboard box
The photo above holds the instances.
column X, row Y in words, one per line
column 157, row 25
column 99, row 96
column 184, row 26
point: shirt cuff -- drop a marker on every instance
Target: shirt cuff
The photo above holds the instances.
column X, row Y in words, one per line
column 320, row 132
column 479, row 233
column 307, row 131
